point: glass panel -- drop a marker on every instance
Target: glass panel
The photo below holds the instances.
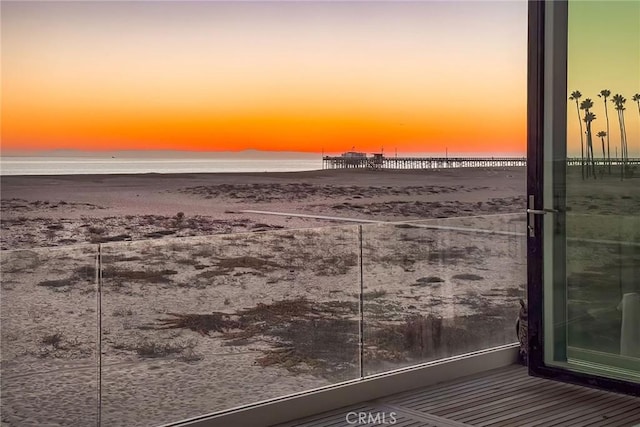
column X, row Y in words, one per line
column 441, row 288
column 603, row 264
column 49, row 337
column 200, row 325
column 597, row 251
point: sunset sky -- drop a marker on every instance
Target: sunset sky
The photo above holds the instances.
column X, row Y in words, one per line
column 297, row 76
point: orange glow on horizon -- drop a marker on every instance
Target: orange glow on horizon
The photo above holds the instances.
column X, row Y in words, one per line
column 86, row 130
column 273, row 76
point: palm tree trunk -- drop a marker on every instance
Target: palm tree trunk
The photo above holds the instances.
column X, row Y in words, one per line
column 626, row 146
column 581, row 140
column 622, row 164
column 593, row 157
column 591, row 160
column 606, row 114
column 586, row 159
column 604, row 157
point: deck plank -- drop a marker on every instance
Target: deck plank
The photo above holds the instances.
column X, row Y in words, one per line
column 424, row 417
column 510, row 404
column 498, row 398
column 425, row 403
column 473, row 382
column 621, row 415
column 588, row 407
column 519, row 414
column 479, row 398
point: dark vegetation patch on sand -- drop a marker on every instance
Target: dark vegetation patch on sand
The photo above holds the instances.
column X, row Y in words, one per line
column 466, row 276
column 322, row 338
column 425, row 281
column 118, row 275
column 59, row 346
column 22, row 205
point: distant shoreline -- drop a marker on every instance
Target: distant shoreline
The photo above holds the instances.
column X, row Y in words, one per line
column 244, row 162
column 319, row 171
column 106, row 166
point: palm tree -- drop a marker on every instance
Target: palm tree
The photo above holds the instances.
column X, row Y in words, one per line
column 575, row 96
column 604, row 93
column 586, row 105
column 636, row 99
column 619, row 101
column 588, row 118
column 601, row 135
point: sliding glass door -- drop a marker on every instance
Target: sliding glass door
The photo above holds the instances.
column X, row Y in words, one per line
column 584, row 192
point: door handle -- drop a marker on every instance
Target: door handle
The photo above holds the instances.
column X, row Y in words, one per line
column 542, row 211
column 531, row 227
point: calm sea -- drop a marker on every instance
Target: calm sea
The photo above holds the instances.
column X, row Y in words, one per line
column 72, row 166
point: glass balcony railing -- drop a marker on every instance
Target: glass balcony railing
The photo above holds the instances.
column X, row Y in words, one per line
column 200, row 325
column 440, row 288
column 153, row 332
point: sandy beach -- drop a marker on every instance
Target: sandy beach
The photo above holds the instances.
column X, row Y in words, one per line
column 203, row 307
column 62, row 210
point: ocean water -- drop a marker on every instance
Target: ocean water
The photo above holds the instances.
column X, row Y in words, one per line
column 70, row 165
column 84, row 166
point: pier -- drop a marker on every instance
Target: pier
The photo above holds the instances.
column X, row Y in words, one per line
column 381, row 162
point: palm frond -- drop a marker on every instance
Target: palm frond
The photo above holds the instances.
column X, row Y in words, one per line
column 586, row 104
column 617, row 98
column 575, row 95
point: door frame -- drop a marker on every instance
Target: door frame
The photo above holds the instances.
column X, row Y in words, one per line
column 546, row 115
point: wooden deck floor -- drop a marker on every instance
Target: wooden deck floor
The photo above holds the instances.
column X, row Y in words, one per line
column 503, row 397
